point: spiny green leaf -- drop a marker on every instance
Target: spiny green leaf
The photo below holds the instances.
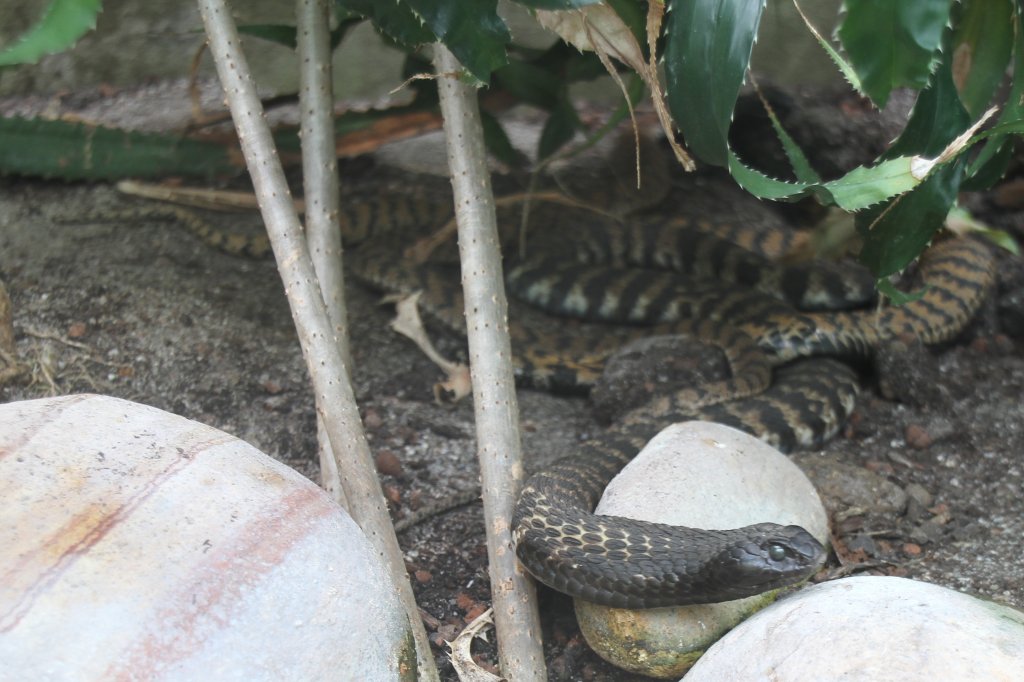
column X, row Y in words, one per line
column 982, row 45
column 473, row 31
column 992, row 160
column 869, row 185
column 707, row 51
column 62, row 24
column 894, row 234
column 900, row 230
column 844, row 66
column 797, row 159
column 886, row 288
column 1003, row 240
column 936, row 119
column 396, row 20
column 892, row 43
column 862, row 187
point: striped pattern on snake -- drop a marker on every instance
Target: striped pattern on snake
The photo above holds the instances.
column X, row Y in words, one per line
column 570, row 357
column 633, row 564
column 750, row 315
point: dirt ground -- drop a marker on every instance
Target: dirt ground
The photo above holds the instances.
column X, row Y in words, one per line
column 925, row 482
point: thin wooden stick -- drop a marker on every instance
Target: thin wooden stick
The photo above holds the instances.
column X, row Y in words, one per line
column 320, row 183
column 494, row 399
column 316, row 337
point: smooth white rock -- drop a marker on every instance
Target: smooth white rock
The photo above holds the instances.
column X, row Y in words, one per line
column 702, row 475
column 140, row 545
column 875, row 629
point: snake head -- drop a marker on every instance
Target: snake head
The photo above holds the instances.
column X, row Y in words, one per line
column 772, row 556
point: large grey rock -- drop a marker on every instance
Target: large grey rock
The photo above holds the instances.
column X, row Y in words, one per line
column 872, row 628
column 141, row 545
column 701, row 475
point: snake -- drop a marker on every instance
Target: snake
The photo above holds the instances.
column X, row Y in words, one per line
column 779, row 326
column 626, row 563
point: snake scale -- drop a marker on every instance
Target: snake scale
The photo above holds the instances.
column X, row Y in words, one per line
column 674, row 276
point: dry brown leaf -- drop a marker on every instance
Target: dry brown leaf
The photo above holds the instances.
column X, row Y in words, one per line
column 599, row 29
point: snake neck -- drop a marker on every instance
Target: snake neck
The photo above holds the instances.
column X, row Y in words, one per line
column 627, row 563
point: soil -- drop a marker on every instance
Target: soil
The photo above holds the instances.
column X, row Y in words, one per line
column 925, row 481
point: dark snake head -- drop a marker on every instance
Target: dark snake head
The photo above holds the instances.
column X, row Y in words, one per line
column 771, row 556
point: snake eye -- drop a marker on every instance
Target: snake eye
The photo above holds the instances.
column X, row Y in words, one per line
column 776, row 552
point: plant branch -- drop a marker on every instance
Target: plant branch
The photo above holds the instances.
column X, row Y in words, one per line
column 320, row 188
column 325, row 363
column 496, row 409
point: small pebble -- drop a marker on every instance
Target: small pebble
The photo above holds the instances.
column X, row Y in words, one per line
column 883, row 468
column 919, row 493
column 917, row 437
column 464, row 601
column 372, row 419
column 415, row 499
column 272, row 387
column 862, row 543
column 393, row 493
column 929, row 531
column 387, row 463
column 276, row 403
column 77, row 330
column 912, row 549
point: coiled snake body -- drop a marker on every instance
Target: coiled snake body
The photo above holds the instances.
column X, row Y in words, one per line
column 751, row 317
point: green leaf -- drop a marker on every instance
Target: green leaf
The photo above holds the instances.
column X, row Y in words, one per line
column 707, row 51
column 761, row 185
column 78, row 151
column 987, row 171
column 396, row 20
column 797, row 159
column 886, row 288
column 62, row 24
column 936, row 119
column 899, row 231
column 892, row 43
column 844, row 66
column 1003, row 240
column 868, row 185
column 894, row 234
column 862, row 187
column 994, row 157
column 982, row 46
column 473, row 31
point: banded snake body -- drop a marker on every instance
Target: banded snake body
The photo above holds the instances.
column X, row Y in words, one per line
column 751, row 317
